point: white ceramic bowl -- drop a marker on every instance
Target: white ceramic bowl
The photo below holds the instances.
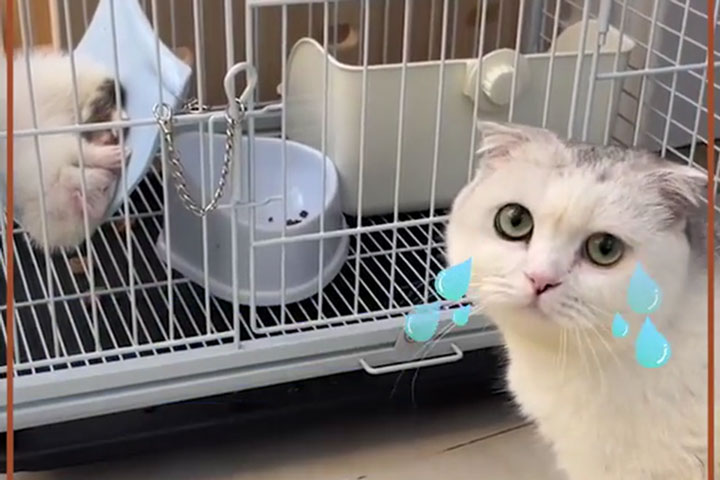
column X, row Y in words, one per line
column 304, row 203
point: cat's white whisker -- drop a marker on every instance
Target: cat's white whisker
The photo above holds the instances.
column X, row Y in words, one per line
column 580, row 350
column 563, row 362
column 432, row 344
column 600, row 369
column 425, row 348
column 594, row 328
column 558, row 354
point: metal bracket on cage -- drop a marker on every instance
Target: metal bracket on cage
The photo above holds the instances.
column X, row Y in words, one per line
column 494, row 81
column 406, row 347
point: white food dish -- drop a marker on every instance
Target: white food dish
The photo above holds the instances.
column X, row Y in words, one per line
column 304, row 203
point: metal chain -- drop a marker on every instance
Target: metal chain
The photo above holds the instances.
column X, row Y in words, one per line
column 193, row 105
column 164, row 117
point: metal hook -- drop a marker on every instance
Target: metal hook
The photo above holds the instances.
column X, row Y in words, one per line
column 229, row 84
column 162, row 111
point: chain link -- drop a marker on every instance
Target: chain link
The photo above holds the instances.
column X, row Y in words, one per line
column 164, row 117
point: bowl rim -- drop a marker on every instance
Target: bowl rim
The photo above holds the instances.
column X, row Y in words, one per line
column 331, row 170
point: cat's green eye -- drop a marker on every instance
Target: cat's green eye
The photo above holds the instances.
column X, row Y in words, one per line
column 604, row 249
column 514, row 222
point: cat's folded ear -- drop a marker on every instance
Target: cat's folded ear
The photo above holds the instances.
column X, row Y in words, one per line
column 497, row 140
column 681, row 187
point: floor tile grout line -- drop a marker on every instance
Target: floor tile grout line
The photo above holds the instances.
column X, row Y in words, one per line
column 488, row 436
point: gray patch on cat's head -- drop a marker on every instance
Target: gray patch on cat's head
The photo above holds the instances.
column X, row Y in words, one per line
column 678, row 187
column 601, row 158
column 590, row 155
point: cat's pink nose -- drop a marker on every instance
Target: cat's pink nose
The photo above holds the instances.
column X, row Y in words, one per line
column 542, row 282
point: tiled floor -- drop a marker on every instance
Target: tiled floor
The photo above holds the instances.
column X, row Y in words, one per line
column 474, row 442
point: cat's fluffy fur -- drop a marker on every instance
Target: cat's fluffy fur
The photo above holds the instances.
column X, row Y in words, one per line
column 607, row 417
column 59, row 183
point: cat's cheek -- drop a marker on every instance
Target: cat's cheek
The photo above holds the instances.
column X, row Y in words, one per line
column 498, row 260
column 604, row 290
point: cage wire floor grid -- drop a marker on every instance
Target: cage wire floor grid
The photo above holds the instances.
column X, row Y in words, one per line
column 74, row 339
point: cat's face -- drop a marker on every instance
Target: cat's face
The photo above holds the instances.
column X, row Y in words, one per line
column 555, row 231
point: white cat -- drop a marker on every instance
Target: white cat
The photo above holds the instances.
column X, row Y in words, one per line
column 555, row 231
column 61, row 179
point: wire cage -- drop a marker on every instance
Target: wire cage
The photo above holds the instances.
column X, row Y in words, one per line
column 164, row 304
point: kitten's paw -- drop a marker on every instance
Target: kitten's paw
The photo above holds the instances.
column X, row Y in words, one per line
column 117, row 156
column 100, row 187
column 110, row 157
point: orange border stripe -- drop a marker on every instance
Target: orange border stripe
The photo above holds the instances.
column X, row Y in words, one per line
column 10, row 217
column 711, row 236
column 10, row 294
